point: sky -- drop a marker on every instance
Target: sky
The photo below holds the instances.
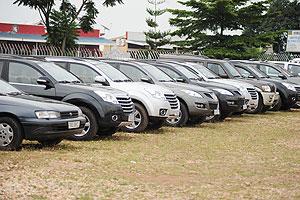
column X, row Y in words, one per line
column 130, row 16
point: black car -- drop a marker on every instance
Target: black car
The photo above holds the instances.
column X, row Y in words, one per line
column 230, row 99
column 287, row 90
column 23, row 116
column 102, row 106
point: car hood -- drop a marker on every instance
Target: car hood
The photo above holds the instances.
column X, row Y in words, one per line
column 36, row 103
column 184, row 86
column 235, row 83
column 212, row 84
column 295, row 80
column 130, row 87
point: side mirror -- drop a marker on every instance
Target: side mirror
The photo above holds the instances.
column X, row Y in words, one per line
column 282, row 76
column 181, row 80
column 101, row 80
column 223, row 75
column 147, row 80
column 251, row 76
column 46, row 82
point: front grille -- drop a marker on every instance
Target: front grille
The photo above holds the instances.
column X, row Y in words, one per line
column 253, row 93
column 126, row 103
column 69, row 115
column 298, row 91
column 172, row 99
column 213, row 106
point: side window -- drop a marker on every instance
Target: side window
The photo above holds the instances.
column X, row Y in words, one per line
column 216, row 68
column 170, row 72
column 270, row 71
column 1, row 67
column 132, row 72
column 22, row 73
column 294, row 69
column 62, row 64
column 244, row 72
column 86, row 74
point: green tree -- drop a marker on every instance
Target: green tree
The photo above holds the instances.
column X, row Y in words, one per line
column 84, row 15
column 154, row 37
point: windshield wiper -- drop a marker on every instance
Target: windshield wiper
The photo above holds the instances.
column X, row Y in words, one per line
column 118, row 81
column 2, row 94
column 127, row 80
column 64, row 81
column 76, row 82
column 14, row 93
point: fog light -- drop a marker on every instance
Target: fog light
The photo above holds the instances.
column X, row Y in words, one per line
column 115, row 118
column 230, row 103
column 200, row 105
column 163, row 112
column 293, row 99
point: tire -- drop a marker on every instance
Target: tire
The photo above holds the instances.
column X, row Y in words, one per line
column 156, row 124
column 11, row 134
column 278, row 106
column 50, row 143
column 141, row 120
column 107, row 132
column 259, row 108
column 183, row 118
column 91, row 127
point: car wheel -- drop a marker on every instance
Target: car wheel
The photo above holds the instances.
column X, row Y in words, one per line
column 11, row 136
column 156, row 124
column 107, row 132
column 278, row 105
column 50, row 143
column 90, row 128
column 141, row 120
column 182, row 119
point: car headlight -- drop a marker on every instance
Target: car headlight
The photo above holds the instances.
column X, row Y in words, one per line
column 108, row 97
column 266, row 88
column 289, row 86
column 47, row 114
column 192, row 93
column 222, row 91
column 156, row 94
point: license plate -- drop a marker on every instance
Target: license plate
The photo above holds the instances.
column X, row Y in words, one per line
column 245, row 107
column 216, row 112
column 131, row 117
column 73, row 125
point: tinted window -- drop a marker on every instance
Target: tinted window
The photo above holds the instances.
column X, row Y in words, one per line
column 244, row 72
column 156, row 73
column 22, row 73
column 86, row 74
column 132, row 72
column 1, row 67
column 62, row 64
column 294, row 69
column 204, row 71
column 270, row 71
column 216, row 68
column 170, row 72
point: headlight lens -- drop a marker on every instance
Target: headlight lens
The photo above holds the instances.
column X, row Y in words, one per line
column 222, row 91
column 108, row 97
column 192, row 93
column 266, row 88
column 289, row 86
column 47, row 114
column 156, row 94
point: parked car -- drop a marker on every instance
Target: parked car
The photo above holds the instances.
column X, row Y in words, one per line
column 153, row 103
column 247, row 90
column 104, row 108
column 23, row 116
column 230, row 99
column 287, row 91
column 196, row 103
column 293, row 68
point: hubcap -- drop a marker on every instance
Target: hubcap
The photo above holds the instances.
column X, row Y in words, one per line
column 137, row 120
column 86, row 128
column 6, row 134
column 174, row 121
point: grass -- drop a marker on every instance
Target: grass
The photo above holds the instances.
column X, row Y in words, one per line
column 249, row 157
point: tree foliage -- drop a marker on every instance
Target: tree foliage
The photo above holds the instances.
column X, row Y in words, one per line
column 154, row 37
column 66, row 18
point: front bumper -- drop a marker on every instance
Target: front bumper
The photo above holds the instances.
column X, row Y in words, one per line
column 231, row 104
column 38, row 129
column 269, row 98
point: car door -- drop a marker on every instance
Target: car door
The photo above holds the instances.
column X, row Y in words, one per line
column 24, row 77
column 217, row 69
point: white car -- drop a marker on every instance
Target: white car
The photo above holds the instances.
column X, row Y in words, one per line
column 154, row 104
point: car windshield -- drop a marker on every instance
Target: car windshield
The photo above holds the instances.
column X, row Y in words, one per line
column 156, row 73
column 7, row 89
column 283, row 71
column 253, row 69
column 234, row 72
column 206, row 72
column 58, row 73
column 111, row 72
column 187, row 72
